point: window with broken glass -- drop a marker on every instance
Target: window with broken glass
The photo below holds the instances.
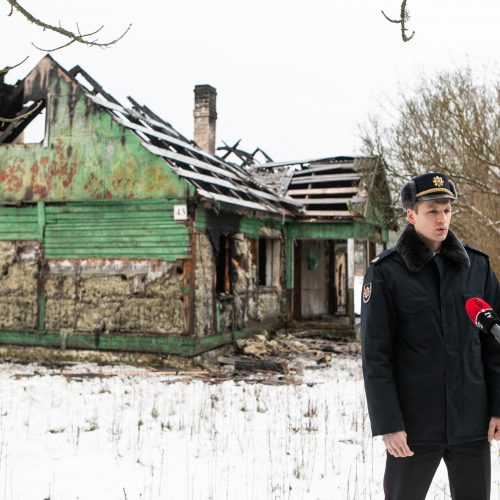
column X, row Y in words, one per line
column 269, row 262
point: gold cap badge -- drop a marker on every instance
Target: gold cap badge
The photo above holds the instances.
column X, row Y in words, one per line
column 438, row 181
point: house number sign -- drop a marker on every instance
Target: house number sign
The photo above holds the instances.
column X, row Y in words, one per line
column 180, row 212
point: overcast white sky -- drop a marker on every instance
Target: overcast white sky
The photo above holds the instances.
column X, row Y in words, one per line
column 293, row 77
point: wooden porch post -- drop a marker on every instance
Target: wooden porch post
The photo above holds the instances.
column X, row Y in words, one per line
column 350, row 281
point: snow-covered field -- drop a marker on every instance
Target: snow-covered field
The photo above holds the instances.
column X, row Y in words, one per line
column 143, row 435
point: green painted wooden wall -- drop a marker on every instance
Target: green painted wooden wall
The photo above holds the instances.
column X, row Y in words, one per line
column 106, row 229
column 19, row 223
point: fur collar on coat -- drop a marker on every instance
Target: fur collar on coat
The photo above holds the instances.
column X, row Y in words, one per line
column 416, row 254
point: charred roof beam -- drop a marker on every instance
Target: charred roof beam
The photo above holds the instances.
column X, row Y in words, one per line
column 97, row 89
column 246, row 158
column 11, row 128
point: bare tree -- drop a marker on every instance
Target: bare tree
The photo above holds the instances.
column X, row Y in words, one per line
column 449, row 123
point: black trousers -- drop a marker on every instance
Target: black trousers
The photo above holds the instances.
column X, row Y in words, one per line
column 468, row 464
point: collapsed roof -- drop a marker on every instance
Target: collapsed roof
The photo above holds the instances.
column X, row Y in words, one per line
column 320, row 188
column 215, row 180
column 326, row 187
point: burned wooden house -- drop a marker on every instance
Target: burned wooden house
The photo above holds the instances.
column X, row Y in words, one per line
column 118, row 233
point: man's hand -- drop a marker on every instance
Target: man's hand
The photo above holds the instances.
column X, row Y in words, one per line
column 494, row 429
column 396, row 444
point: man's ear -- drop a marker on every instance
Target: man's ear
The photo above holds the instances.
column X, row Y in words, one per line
column 410, row 215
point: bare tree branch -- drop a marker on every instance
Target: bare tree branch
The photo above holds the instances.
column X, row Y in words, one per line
column 8, row 68
column 395, row 21
column 404, row 18
column 74, row 37
column 493, row 223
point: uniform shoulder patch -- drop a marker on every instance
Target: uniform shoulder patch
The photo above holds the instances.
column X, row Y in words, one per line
column 381, row 256
column 476, row 250
column 367, row 292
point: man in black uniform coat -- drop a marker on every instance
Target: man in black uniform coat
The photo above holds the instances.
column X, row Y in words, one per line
column 432, row 380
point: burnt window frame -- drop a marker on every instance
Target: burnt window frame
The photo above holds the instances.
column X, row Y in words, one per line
column 224, row 268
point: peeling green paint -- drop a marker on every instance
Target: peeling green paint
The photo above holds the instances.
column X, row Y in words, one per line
column 317, row 231
column 87, row 156
column 218, row 308
column 250, row 226
column 201, row 219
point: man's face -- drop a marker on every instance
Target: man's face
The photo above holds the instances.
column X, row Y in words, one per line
column 431, row 220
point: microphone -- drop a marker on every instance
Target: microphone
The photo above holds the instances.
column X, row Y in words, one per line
column 483, row 316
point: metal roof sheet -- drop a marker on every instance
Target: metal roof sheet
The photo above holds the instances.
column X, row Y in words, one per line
column 213, row 178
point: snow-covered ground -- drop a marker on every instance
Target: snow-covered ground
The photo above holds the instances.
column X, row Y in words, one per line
column 143, row 435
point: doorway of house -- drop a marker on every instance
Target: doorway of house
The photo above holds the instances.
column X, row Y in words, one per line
column 320, row 282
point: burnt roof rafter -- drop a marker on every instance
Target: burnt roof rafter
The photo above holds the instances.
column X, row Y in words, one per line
column 96, row 88
column 245, row 157
column 11, row 129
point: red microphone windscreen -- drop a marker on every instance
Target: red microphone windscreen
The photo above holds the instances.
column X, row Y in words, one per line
column 474, row 306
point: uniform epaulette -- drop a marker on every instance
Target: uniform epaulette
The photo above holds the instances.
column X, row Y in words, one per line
column 383, row 255
column 474, row 249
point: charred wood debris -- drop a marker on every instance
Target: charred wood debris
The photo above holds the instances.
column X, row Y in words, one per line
column 272, row 358
column 287, row 353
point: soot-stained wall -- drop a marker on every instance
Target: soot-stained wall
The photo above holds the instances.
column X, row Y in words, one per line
column 108, row 296
column 247, row 304
column 204, row 286
column 130, row 295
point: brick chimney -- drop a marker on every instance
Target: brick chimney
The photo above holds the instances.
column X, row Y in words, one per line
column 205, row 116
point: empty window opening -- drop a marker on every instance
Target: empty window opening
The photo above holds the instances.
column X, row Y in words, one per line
column 269, row 262
column 34, row 133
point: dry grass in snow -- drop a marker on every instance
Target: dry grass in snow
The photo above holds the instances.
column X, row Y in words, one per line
column 149, row 436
